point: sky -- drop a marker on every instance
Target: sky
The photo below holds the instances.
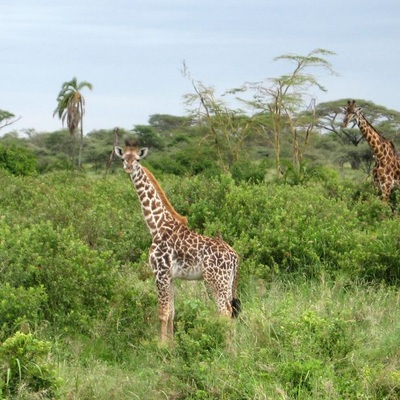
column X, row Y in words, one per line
column 132, row 52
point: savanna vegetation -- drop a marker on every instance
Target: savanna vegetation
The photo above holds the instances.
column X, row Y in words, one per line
column 285, row 186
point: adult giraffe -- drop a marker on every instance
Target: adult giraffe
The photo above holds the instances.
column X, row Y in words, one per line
column 176, row 251
column 386, row 172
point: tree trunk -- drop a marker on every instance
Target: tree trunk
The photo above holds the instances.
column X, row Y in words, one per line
column 81, row 141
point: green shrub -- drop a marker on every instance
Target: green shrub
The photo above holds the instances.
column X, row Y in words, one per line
column 25, row 367
column 294, row 229
column 249, row 171
column 300, row 377
column 103, row 213
column 20, row 306
column 198, row 336
column 77, row 280
column 375, row 254
column 193, row 160
column 132, row 318
column 201, row 198
column 18, row 160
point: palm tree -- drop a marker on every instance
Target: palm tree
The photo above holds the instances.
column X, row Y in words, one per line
column 71, row 107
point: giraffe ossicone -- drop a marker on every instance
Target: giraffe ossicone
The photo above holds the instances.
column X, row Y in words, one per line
column 176, row 251
column 386, row 172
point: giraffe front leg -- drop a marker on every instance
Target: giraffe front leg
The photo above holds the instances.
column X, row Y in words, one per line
column 160, row 265
column 166, row 310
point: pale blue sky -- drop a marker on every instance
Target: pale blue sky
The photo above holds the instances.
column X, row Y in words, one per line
column 132, row 52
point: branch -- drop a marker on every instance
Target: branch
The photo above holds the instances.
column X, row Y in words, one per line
column 9, row 122
column 110, row 159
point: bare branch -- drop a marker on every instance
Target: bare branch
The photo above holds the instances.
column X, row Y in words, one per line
column 110, row 159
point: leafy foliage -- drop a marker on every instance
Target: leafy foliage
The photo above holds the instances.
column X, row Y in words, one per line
column 131, row 317
column 20, row 307
column 24, row 364
column 17, row 160
column 318, row 280
column 77, row 280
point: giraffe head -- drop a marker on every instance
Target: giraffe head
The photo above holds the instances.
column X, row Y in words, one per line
column 130, row 155
column 350, row 112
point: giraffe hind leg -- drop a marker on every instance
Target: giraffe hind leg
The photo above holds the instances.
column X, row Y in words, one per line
column 224, row 291
column 225, row 303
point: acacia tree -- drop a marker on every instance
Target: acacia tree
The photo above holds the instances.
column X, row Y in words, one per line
column 226, row 129
column 290, row 107
column 164, row 123
column 71, row 107
column 7, row 118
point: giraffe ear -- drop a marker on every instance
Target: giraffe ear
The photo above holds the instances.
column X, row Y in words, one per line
column 143, row 152
column 118, row 151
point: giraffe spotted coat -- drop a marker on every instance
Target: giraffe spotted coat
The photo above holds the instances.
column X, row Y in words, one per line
column 176, row 251
column 386, row 172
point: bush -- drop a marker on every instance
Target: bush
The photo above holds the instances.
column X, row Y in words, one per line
column 77, row 280
column 18, row 160
column 132, row 318
column 24, row 367
column 20, row 306
column 249, row 171
column 193, row 160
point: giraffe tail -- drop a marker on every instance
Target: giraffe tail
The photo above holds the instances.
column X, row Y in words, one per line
column 236, row 307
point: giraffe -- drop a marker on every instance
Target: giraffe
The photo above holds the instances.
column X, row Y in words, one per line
column 176, row 251
column 386, row 172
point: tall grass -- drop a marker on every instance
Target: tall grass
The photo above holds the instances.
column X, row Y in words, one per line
column 304, row 340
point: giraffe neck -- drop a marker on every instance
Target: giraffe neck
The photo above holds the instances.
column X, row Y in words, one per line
column 156, row 214
column 379, row 145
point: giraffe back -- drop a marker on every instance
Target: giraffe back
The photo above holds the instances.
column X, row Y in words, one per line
column 193, row 256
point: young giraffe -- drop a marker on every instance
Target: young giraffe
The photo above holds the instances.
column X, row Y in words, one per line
column 386, row 172
column 176, row 251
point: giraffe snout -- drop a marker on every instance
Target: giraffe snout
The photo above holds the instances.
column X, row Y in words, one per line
column 128, row 168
